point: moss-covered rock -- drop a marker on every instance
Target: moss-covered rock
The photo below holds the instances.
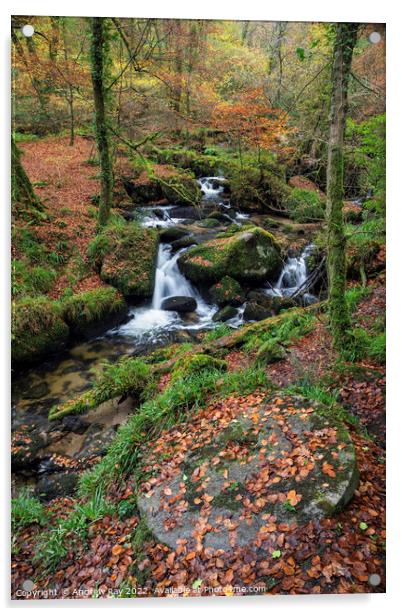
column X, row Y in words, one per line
column 163, row 182
column 125, row 255
column 199, row 164
column 227, row 291
column 38, row 329
column 224, row 314
column 305, row 205
column 251, row 256
column 88, row 313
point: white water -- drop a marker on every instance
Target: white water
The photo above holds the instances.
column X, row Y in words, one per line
column 151, row 218
column 211, row 187
column 293, row 275
column 151, row 321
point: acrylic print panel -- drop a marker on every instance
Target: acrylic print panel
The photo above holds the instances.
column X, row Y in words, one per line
column 198, row 322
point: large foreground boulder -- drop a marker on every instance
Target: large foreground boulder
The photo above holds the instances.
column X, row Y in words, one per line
column 125, row 255
column 235, row 483
column 250, row 256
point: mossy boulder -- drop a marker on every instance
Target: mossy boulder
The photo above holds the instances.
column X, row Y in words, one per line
column 250, row 256
column 304, row 205
column 163, row 182
column 187, row 159
column 125, row 255
column 38, row 329
column 227, row 291
column 91, row 312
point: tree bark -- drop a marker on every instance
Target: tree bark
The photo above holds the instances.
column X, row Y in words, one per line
column 346, row 35
column 98, row 52
column 22, row 191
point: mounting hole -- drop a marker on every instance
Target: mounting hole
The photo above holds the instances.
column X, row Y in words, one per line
column 374, row 579
column 28, row 30
column 374, row 37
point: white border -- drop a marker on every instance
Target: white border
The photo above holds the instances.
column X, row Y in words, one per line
column 296, row 10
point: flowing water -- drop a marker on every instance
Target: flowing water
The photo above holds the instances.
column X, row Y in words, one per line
column 72, row 372
column 150, row 323
column 293, row 276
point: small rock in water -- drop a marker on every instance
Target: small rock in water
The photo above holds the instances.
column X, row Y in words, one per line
column 179, row 304
column 227, row 313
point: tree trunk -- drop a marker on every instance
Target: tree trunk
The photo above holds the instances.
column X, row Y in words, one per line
column 21, row 187
column 98, row 51
column 345, row 41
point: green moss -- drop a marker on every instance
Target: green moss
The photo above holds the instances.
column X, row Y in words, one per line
column 193, row 364
column 304, row 205
column 129, row 376
column 255, row 186
column 227, row 291
column 91, row 308
column 31, row 280
column 187, row 159
column 252, row 255
column 37, row 329
column 126, row 255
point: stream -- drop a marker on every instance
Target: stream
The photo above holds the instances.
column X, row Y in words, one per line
column 35, row 391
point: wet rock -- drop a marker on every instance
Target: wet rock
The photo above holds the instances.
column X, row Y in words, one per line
column 179, row 304
column 54, row 485
column 227, row 291
column 26, row 443
column 40, row 390
column 126, row 258
column 184, row 242
column 256, row 312
column 236, row 476
column 170, row 234
column 97, row 440
column 249, row 256
column 225, row 314
column 74, row 424
column 209, row 223
column 190, row 213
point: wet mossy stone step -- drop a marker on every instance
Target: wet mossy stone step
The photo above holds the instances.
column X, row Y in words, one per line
column 275, row 464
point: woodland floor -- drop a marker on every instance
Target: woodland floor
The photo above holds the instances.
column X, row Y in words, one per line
column 65, row 183
column 333, row 555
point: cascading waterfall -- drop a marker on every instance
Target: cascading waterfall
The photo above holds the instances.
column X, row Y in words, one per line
column 149, row 322
column 169, row 281
column 152, row 321
column 293, row 276
column 212, row 187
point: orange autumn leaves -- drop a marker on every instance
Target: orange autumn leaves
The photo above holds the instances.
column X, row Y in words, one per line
column 251, row 120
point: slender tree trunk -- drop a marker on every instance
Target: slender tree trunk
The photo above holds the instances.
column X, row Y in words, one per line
column 69, row 90
column 98, row 52
column 345, row 41
column 22, row 191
